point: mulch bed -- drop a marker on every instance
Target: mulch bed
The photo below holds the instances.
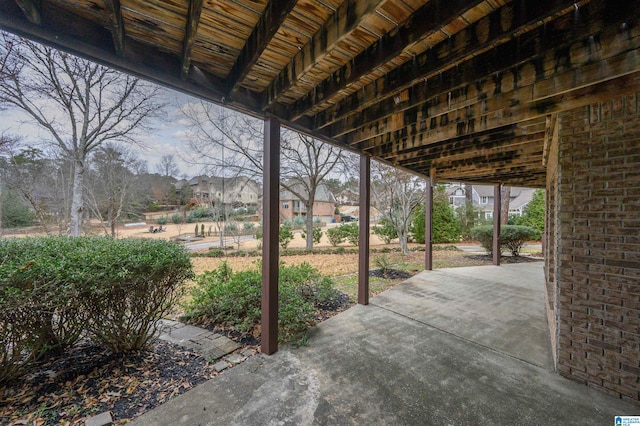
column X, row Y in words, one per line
column 87, row 380
column 390, row 274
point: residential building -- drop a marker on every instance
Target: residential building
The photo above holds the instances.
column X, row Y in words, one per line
column 291, row 205
column 482, row 196
column 238, row 191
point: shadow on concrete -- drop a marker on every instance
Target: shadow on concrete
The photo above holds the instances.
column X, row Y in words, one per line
column 456, row 346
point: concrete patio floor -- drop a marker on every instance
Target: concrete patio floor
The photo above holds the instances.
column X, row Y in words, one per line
column 465, row 346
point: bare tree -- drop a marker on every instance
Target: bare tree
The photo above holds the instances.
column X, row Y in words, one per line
column 306, row 163
column 168, row 166
column 397, row 194
column 79, row 103
column 27, row 172
column 221, row 139
column 109, row 184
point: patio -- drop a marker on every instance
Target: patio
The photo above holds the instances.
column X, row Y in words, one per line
column 453, row 346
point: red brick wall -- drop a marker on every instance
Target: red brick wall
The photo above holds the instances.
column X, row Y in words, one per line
column 598, row 258
column 551, row 244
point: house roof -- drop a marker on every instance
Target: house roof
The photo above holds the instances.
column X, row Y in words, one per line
column 463, row 90
column 322, row 192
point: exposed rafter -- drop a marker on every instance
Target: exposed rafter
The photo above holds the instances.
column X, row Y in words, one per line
column 425, row 21
column 191, row 29
column 496, row 50
column 117, row 25
column 268, row 24
column 31, row 10
column 340, row 25
column 486, row 111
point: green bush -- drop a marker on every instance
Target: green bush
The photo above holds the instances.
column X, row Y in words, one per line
column 233, row 299
column 533, row 214
column 162, row 220
column 317, row 235
column 177, row 218
column 248, row 226
column 199, row 213
column 445, row 225
column 285, row 236
column 512, row 237
column 484, row 234
column 351, row 232
column 335, row 236
column 54, row 288
column 15, row 213
column 298, row 221
column 386, row 231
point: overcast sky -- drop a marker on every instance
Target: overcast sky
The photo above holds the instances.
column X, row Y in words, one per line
column 166, row 138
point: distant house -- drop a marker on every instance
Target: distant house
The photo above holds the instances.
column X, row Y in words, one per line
column 292, row 206
column 239, row 191
column 348, row 197
column 482, row 196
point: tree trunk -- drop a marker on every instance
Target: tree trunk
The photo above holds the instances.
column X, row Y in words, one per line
column 77, row 202
column 505, row 193
column 309, row 225
column 112, row 222
column 404, row 245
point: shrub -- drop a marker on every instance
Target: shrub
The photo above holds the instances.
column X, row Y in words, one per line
column 162, row 220
column 385, row 230
column 285, row 236
column 199, row 213
column 335, row 236
column 351, row 233
column 383, row 263
column 512, row 237
column 484, row 234
column 234, row 298
column 248, row 226
column 177, row 218
column 317, row 235
column 298, row 221
column 231, row 228
column 54, row 288
column 15, row 213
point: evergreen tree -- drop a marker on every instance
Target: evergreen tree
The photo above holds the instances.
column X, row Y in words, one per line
column 445, row 225
column 533, row 214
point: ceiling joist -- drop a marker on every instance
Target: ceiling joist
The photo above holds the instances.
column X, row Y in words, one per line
column 268, row 24
column 191, row 30
column 116, row 24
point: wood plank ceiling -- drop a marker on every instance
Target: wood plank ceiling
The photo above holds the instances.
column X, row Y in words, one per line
column 466, row 90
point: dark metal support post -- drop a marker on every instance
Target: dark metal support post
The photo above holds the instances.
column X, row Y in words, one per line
column 363, row 241
column 497, row 204
column 271, row 228
column 428, row 223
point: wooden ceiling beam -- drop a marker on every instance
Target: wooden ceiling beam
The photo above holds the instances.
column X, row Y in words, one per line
column 374, row 102
column 92, row 41
column 191, row 30
column 32, row 10
column 467, row 147
column 349, row 16
column 425, row 21
column 567, row 90
column 270, row 21
column 116, row 25
column 340, row 25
